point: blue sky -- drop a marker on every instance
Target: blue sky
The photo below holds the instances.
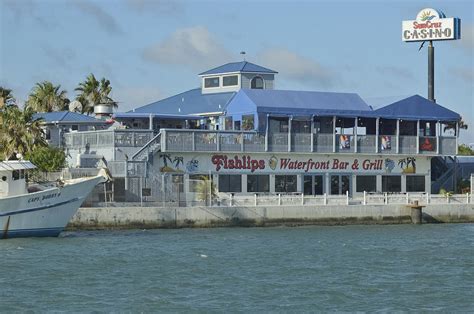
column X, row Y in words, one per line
column 153, row 49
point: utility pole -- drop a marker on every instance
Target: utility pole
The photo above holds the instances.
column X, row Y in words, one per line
column 431, row 72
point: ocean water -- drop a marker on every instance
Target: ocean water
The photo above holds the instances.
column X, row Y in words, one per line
column 306, row 269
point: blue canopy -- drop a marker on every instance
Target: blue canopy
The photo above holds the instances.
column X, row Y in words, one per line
column 191, row 102
column 417, row 108
column 285, row 102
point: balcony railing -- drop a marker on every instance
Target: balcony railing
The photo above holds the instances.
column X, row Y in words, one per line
column 408, row 145
column 108, row 138
column 182, row 140
column 248, row 141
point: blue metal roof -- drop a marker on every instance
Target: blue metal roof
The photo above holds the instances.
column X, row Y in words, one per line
column 65, row 117
column 417, row 107
column 191, row 102
column 131, row 115
column 379, row 102
column 242, row 66
column 298, row 103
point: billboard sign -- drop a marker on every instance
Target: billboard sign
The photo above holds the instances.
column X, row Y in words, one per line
column 431, row 24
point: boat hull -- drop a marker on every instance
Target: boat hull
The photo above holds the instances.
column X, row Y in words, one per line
column 45, row 213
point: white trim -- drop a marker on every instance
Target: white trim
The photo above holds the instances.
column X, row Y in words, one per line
column 238, row 72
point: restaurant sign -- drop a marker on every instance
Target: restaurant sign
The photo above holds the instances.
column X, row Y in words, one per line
column 431, row 24
column 263, row 163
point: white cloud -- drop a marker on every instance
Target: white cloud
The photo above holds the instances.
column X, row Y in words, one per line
column 194, row 47
column 158, row 7
column 297, row 67
column 104, row 19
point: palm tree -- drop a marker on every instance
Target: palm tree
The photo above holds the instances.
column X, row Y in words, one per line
column 177, row 161
column 20, row 133
column 93, row 92
column 46, row 97
column 6, row 97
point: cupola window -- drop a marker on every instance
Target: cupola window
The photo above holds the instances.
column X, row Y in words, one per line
column 211, row 82
column 231, row 80
column 257, row 83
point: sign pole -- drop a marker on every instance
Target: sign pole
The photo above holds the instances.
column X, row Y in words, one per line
column 431, row 72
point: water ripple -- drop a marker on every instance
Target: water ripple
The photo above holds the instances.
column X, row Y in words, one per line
column 351, row 268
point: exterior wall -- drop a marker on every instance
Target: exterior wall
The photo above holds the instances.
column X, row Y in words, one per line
column 268, row 78
column 221, row 88
column 273, row 164
column 244, row 80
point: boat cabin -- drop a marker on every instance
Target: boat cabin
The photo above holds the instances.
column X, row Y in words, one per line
column 13, row 176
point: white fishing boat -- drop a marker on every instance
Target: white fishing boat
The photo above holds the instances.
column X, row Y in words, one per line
column 39, row 210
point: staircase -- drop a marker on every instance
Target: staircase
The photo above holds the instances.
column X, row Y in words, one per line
column 146, row 152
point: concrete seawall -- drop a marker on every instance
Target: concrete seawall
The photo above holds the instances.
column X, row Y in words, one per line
column 204, row 217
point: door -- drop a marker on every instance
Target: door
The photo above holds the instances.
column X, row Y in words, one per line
column 340, row 184
column 313, row 185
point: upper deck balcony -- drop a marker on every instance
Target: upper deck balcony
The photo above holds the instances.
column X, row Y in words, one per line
column 174, row 140
column 108, row 138
column 328, row 135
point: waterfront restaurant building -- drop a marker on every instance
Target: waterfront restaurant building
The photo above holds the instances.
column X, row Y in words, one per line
column 249, row 137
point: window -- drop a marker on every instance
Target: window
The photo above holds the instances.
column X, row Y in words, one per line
column 366, row 183
column 230, row 80
column 228, row 123
column 47, row 134
column 211, row 82
column 258, row 183
column 391, row 183
column 257, row 83
column 415, row 183
column 230, row 183
column 313, row 185
column 16, row 175
column 237, row 125
column 74, row 127
column 285, row 184
column 247, row 122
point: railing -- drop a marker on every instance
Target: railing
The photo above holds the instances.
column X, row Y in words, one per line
column 149, row 148
column 160, row 198
column 388, row 144
column 408, row 145
column 366, row 143
column 427, row 144
column 297, row 199
column 301, row 142
column 182, row 140
column 447, row 145
column 344, row 143
column 108, row 138
column 130, row 169
column 278, row 142
column 323, row 143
